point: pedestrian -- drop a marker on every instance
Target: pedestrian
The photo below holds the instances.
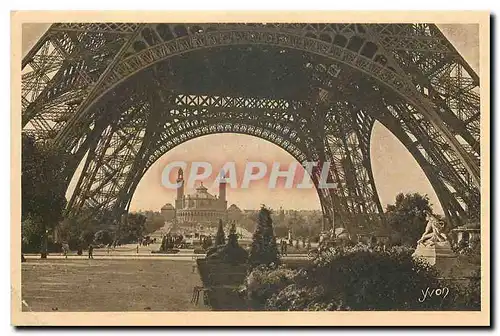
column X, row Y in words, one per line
column 91, row 251
column 65, row 248
column 137, row 249
column 194, row 265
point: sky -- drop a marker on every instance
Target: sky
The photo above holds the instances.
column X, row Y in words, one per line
column 394, row 168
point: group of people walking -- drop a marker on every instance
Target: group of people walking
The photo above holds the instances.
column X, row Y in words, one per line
column 66, row 251
column 283, row 247
column 284, row 243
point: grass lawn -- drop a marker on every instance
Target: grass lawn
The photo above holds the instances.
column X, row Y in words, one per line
column 109, row 285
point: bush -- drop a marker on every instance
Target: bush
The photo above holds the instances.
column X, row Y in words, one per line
column 358, row 277
column 53, row 247
column 231, row 252
column 472, row 252
column 466, row 296
column 363, row 278
column 171, row 251
column 295, row 297
column 263, row 282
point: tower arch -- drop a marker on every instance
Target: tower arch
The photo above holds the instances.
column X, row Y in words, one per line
column 111, row 101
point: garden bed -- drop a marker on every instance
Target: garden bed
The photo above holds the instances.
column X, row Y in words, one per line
column 222, row 282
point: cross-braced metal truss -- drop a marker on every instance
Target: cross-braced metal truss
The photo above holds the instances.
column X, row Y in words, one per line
column 127, row 93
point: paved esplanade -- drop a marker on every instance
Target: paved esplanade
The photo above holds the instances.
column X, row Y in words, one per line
column 129, row 251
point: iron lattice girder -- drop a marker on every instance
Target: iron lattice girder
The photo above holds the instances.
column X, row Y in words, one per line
column 378, row 102
column 405, row 34
column 192, row 127
column 74, row 65
column 182, row 120
column 450, row 179
column 453, row 209
column 347, row 140
column 63, row 68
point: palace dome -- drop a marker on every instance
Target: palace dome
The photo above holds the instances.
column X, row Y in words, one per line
column 233, row 208
column 202, row 193
column 167, row 206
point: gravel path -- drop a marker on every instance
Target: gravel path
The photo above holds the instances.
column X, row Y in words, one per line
column 109, row 285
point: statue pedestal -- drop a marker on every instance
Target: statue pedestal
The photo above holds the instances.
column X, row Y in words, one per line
column 438, row 255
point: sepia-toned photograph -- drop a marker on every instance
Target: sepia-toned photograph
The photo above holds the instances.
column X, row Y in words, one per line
column 213, row 163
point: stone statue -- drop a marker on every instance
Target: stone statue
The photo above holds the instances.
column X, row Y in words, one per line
column 434, row 247
column 433, row 232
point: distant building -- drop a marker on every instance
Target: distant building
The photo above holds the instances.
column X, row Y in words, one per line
column 199, row 208
column 201, row 211
column 234, row 214
column 168, row 212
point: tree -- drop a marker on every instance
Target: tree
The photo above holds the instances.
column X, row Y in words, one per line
column 79, row 231
column 264, row 250
column 154, row 221
column 407, row 217
column 103, row 237
column 133, row 228
column 231, row 252
column 220, row 237
column 281, row 231
column 87, row 237
column 31, row 233
column 43, row 185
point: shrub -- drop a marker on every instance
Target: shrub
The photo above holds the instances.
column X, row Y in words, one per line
column 364, row 278
column 465, row 296
column 53, row 247
column 358, row 277
column 472, row 252
column 295, row 297
column 232, row 252
column 264, row 250
column 264, row 281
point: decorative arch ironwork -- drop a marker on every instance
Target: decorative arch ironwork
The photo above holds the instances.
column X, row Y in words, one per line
column 410, row 77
